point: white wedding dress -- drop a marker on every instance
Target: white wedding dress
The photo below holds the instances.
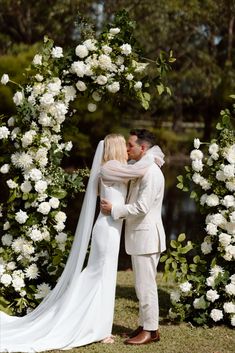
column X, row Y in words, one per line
column 79, row 310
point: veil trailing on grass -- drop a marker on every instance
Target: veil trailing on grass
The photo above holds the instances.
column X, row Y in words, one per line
column 20, row 333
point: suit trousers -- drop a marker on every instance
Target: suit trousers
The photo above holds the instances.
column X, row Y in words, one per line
column 145, row 271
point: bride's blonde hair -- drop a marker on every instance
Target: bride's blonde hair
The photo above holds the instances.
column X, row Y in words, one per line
column 115, row 148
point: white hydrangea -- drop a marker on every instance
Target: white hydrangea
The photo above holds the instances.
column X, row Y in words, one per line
column 216, row 314
column 21, row 217
column 212, row 295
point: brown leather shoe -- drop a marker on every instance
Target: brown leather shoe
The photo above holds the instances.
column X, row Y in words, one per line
column 144, row 337
column 133, row 333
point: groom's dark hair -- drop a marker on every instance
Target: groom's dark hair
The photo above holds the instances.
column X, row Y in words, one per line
column 144, row 135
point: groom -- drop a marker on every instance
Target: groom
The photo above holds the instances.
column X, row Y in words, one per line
column 144, row 235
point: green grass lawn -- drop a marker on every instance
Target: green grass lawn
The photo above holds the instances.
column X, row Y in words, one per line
column 182, row 338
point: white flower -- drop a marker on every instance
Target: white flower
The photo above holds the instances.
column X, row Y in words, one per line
column 129, row 77
column 212, row 200
column 203, row 199
column 18, row 98
column 39, row 77
column 79, row 68
column 213, row 148
column 21, row 217
column 68, row 146
column 96, row 96
column 5, row 168
column 106, row 49
column 4, row 79
column 199, row 303
column 40, row 186
column 11, row 265
column 232, row 279
column 90, row 44
column 4, row 132
column 233, row 320
column 229, row 170
column 105, row 62
column 138, row 85
column 69, row 92
column 27, row 138
column 185, row 287
column 206, row 248
column 42, row 290
column 11, row 184
column 60, row 217
column 216, row 270
column 114, row 31
column 230, row 289
column 37, row 60
column 54, row 87
column 230, row 185
column 232, row 216
column 101, row 80
column 7, row 239
column 113, row 87
column 229, row 201
column 196, row 154
column 35, row 174
column 32, row 272
column 197, row 165
column 220, row 175
column 47, row 99
column 175, row 296
column 230, row 252
column 196, row 143
column 218, row 219
column 18, row 283
column 229, row 307
column 230, row 154
column 6, row 279
column 126, row 49
column 212, row 295
column 59, row 226
column 57, row 52
column 61, row 237
column 210, row 281
column 92, row 107
column 22, row 160
column 11, row 121
column 35, row 234
column 81, row 86
column 44, row 119
column 44, row 208
column 211, row 229
column 81, row 51
column 54, row 202
column 6, row 225
column 216, row 314
column 225, row 239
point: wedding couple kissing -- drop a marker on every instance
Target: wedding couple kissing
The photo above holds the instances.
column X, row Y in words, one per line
column 80, row 308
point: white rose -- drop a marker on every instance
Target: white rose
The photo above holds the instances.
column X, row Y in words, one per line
column 129, row 77
column 101, row 80
column 57, row 52
column 26, row 187
column 185, row 287
column 229, row 307
column 35, row 174
column 47, row 99
column 206, row 248
column 220, row 175
column 197, row 165
column 90, row 44
column 105, row 62
column 212, row 295
column 91, row 107
column 230, row 154
column 212, row 200
column 7, row 239
column 138, row 85
column 40, row 186
column 211, row 229
column 218, row 219
column 228, row 201
column 60, row 217
column 230, row 185
column 196, row 143
column 230, row 252
column 228, row 171
column 21, row 217
column 4, row 132
column 44, row 208
column 4, row 79
column 196, row 154
column 213, row 148
column 6, row 279
column 210, row 281
column 79, row 68
column 230, row 289
column 54, row 202
column 126, row 49
column 114, row 31
column 216, row 315
column 96, row 96
column 11, row 121
column 114, row 87
column 5, row 168
column 225, row 239
column 81, row 51
column 81, row 86
column 37, row 60
column 106, row 49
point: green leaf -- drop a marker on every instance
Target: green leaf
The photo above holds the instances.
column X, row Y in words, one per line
column 180, row 186
column 193, row 195
column 60, row 193
column 174, row 244
column 160, row 89
column 168, row 90
column 181, row 237
column 219, row 126
column 163, row 258
column 147, row 96
column 180, row 178
column 56, row 260
column 196, row 259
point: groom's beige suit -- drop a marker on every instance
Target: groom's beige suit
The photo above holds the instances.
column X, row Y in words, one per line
column 145, row 239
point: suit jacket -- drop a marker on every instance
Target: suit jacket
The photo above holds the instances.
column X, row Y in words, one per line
column 144, row 232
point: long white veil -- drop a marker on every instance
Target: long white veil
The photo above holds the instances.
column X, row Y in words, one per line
column 33, row 326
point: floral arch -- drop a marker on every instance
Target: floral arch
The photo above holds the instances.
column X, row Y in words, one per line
column 34, row 243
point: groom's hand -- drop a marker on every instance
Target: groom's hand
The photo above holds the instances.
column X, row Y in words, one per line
column 105, row 207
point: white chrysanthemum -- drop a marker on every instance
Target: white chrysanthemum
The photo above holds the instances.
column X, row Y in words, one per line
column 229, row 201
column 216, row 314
column 22, row 160
column 199, row 303
column 90, row 44
column 61, row 237
column 212, row 200
column 126, row 49
column 32, row 272
column 44, row 208
column 197, row 165
column 57, row 52
column 113, row 87
column 37, row 60
column 230, row 288
column 175, row 296
column 101, row 80
column 212, row 295
column 4, row 132
column 138, row 85
column 21, row 217
column 206, row 248
column 79, row 68
column 185, row 287
column 196, row 155
column 225, row 239
column 81, row 86
column 42, row 290
column 91, row 107
column 229, row 154
column 216, row 270
column 229, row 307
column 6, row 279
column 11, row 184
column 35, row 174
column 54, row 202
column 7, row 239
column 4, row 79
column 211, row 229
column 18, row 98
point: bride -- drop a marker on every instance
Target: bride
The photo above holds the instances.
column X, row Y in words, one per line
column 79, row 310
